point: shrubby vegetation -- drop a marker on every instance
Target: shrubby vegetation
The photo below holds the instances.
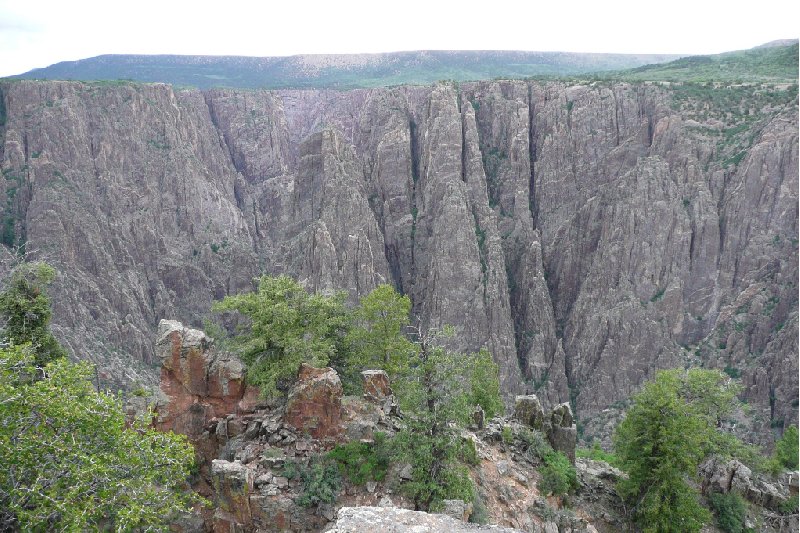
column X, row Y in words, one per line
column 596, row 453
column 730, row 510
column 321, row 481
column 283, row 326
column 25, row 308
column 786, row 450
column 70, row 462
column 360, row 462
column 286, row 326
column 558, row 474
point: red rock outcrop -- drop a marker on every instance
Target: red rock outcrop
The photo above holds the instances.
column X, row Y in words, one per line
column 314, row 405
column 200, row 383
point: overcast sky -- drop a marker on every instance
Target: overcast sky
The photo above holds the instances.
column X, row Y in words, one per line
column 38, row 33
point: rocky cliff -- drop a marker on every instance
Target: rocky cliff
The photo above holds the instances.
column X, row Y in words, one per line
column 587, row 234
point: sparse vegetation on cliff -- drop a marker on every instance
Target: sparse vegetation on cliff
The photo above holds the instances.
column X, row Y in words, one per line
column 25, row 307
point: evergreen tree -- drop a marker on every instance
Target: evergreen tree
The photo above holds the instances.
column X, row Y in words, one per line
column 672, row 425
column 26, row 309
column 437, row 393
column 286, row 326
column 786, row 449
column 377, row 338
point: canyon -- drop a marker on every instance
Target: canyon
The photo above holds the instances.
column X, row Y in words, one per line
column 586, row 233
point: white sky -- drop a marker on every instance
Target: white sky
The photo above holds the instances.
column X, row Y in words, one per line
column 38, row 33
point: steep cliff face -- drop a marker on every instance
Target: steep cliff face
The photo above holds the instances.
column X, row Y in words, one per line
column 586, row 234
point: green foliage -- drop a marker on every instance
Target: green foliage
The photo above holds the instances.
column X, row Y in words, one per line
column 26, row 309
column 467, row 453
column 777, row 63
column 484, row 383
column 558, row 474
column 789, row 506
column 436, row 472
column 480, row 514
column 376, row 339
column 321, row 481
column 730, row 511
column 287, row 326
column 670, row 428
column 360, row 462
column 437, row 389
column 69, row 461
column 437, row 394
column 534, row 444
column 786, row 449
column 507, row 435
column 596, row 453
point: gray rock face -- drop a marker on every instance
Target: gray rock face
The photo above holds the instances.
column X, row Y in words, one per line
column 395, row 520
column 587, row 235
column 725, row 476
column 559, row 427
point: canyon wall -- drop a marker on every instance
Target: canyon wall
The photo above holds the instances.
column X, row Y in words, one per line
column 587, row 234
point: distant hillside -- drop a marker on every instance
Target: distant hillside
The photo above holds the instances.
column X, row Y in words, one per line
column 339, row 71
column 775, row 61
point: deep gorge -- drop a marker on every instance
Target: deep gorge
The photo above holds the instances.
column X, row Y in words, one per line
column 587, row 234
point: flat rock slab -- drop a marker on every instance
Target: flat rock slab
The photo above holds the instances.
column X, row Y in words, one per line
column 396, row 520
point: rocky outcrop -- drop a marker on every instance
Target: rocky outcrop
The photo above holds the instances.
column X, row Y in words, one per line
column 559, row 427
column 392, row 519
column 199, row 382
column 376, row 385
column 586, row 234
column 726, row 476
column 562, row 433
column 233, row 485
column 314, row 405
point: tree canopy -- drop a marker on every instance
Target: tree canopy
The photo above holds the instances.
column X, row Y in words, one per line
column 26, row 309
column 70, row 462
column 437, row 388
column 672, row 425
column 285, row 326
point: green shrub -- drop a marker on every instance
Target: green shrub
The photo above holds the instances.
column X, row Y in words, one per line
column 789, row 506
column 321, row 481
column 467, row 453
column 786, row 448
column 730, row 511
column 534, row 444
column 596, row 453
column 558, row 475
column 480, row 514
column 507, row 435
column 360, row 462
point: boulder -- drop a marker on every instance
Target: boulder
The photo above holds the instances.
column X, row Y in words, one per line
column 562, row 432
column 314, row 405
column 725, row 476
column 478, row 417
column 376, row 386
column 458, row 509
column 233, row 484
column 559, row 427
column 528, row 410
